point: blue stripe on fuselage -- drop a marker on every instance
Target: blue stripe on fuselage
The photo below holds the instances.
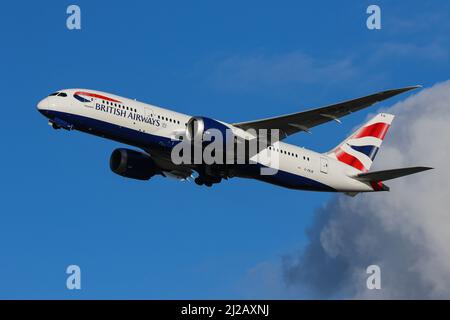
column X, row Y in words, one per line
column 80, row 98
column 111, row 131
column 284, row 179
column 146, row 140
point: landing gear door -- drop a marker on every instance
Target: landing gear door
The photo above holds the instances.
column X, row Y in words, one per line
column 324, row 165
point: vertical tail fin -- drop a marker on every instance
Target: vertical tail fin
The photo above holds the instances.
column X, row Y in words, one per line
column 359, row 150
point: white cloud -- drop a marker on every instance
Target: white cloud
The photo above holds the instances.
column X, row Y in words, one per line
column 406, row 231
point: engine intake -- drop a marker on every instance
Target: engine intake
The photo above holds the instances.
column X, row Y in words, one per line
column 132, row 164
column 203, row 134
column 198, row 126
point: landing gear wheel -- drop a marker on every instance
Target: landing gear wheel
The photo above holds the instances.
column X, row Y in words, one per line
column 198, row 181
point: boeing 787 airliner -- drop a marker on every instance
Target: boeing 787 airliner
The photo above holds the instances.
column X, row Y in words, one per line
column 157, row 132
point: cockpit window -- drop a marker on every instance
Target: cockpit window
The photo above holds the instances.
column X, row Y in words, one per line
column 59, row 94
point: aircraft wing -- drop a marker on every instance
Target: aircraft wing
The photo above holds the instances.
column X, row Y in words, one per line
column 167, row 167
column 305, row 120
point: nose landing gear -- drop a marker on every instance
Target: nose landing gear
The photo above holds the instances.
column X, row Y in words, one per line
column 60, row 124
column 54, row 125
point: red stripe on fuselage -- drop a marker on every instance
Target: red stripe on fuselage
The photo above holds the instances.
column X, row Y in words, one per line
column 377, row 130
column 98, row 96
column 344, row 157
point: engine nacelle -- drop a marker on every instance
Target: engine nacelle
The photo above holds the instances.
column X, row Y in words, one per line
column 202, row 131
column 198, row 126
column 132, row 164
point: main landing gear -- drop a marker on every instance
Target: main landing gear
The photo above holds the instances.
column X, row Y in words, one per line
column 207, row 182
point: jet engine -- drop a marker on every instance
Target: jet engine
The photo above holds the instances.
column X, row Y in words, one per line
column 198, row 127
column 202, row 131
column 132, row 164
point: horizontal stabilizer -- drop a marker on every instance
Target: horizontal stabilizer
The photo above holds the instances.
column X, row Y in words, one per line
column 389, row 174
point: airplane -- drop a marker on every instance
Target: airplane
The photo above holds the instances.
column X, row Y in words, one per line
column 157, row 131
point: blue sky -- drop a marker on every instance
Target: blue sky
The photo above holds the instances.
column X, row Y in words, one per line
column 233, row 61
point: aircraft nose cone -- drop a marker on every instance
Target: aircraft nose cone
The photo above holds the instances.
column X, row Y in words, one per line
column 42, row 104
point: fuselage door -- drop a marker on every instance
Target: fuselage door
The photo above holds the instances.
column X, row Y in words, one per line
column 324, row 165
column 148, row 112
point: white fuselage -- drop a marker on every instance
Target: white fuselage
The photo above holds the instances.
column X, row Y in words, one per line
column 147, row 126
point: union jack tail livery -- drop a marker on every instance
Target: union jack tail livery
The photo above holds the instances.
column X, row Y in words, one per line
column 359, row 150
